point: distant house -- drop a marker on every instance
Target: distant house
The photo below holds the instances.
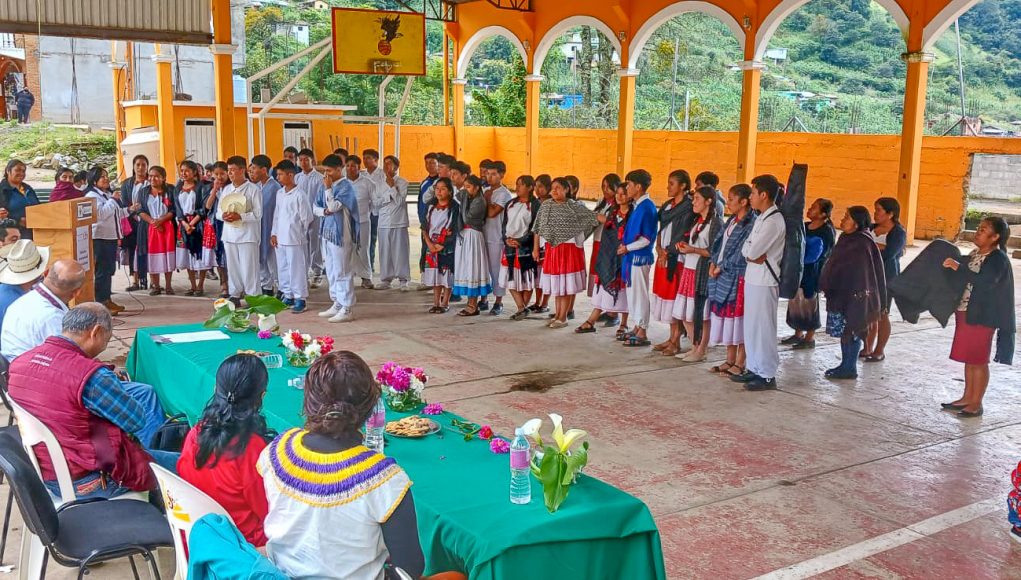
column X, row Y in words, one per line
column 315, row 5
column 297, row 30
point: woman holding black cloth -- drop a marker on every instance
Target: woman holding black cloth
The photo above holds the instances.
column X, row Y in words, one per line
column 986, row 306
column 610, row 297
column 854, row 282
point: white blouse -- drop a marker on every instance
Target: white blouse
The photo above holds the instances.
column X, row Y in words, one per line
column 519, row 220
column 701, row 242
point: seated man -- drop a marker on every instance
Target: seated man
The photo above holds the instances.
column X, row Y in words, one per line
column 86, row 407
column 38, row 314
column 21, row 266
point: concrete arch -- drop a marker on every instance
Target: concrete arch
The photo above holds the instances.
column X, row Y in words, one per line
column 551, row 36
column 939, row 23
column 476, row 40
column 672, row 11
column 787, row 7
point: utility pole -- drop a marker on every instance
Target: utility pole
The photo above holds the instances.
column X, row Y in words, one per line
column 671, row 122
column 960, row 73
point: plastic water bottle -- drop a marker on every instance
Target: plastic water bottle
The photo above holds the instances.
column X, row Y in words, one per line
column 521, row 483
column 375, row 426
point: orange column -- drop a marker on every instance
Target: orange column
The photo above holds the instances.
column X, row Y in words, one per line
column 446, row 79
column 223, row 73
column 911, row 138
column 533, row 91
column 119, row 69
column 459, row 141
column 165, row 111
column 749, row 130
column 626, row 120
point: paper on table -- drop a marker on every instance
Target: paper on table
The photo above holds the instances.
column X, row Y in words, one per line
column 186, row 337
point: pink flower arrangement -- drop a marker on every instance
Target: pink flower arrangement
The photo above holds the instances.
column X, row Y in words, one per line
column 394, row 376
column 265, row 334
column 403, row 387
column 433, row 409
column 486, row 432
column 499, row 446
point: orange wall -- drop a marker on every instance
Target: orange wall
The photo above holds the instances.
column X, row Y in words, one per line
column 848, row 169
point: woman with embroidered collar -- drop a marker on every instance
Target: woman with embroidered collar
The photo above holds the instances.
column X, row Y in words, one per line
column 336, row 508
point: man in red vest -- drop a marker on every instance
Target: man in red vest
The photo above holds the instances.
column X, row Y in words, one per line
column 85, row 405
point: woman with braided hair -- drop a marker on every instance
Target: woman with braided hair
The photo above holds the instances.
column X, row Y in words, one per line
column 338, row 509
column 221, row 451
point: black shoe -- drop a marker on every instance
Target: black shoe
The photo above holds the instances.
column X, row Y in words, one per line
column 839, row 373
column 745, row 377
column 279, row 295
column 497, row 309
column 761, row 384
column 803, row 345
column 266, row 292
column 484, row 305
column 793, row 339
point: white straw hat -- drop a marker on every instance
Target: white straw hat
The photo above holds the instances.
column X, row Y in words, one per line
column 22, row 262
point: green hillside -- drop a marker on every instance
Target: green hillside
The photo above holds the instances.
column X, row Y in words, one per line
column 842, row 73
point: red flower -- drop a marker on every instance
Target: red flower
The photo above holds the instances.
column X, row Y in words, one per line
column 327, row 344
column 299, row 342
column 486, row 432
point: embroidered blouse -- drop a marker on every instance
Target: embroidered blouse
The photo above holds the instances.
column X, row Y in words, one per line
column 326, row 509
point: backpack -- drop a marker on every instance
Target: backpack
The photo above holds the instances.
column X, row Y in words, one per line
column 791, row 204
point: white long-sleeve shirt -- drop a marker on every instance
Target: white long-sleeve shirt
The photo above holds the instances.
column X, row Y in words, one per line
column 392, row 202
column 292, row 218
column 363, row 192
column 108, row 222
column 768, row 236
column 249, row 229
column 378, row 177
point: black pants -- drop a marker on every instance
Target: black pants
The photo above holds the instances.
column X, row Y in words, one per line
column 23, row 112
column 373, row 238
column 106, row 265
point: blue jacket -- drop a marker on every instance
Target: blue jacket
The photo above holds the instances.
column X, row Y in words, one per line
column 218, row 551
column 642, row 223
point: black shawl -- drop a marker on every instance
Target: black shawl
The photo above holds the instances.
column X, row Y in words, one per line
column 702, row 274
column 680, row 218
column 608, row 263
column 854, row 281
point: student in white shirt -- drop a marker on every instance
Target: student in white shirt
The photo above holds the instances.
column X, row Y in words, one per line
column 497, row 198
column 339, row 230
column 242, row 230
column 289, row 236
column 311, row 182
column 394, row 246
column 763, row 251
column 370, row 157
column 363, row 190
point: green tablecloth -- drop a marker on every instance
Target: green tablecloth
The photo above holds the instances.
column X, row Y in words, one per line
column 465, row 518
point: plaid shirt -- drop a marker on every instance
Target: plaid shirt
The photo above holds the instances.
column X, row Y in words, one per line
column 105, row 396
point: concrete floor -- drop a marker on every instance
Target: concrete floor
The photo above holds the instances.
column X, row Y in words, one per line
column 850, row 479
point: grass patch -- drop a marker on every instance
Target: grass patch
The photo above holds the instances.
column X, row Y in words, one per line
column 27, row 142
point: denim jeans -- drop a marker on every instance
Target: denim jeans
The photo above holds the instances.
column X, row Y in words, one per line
column 154, row 414
column 165, row 459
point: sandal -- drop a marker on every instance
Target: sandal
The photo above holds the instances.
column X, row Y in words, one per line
column 133, row 288
column 722, row 368
column 635, row 340
column 622, row 333
column 156, row 291
column 670, row 351
column 466, row 312
column 170, row 291
column 740, row 371
column 200, row 292
column 661, row 345
column 585, row 328
column 875, row 358
column 435, row 310
column 557, row 324
column 189, row 293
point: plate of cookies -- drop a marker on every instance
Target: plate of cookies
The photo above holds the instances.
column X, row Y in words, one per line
column 412, row 427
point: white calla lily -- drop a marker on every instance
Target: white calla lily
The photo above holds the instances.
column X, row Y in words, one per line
column 531, row 429
column 221, row 302
column 570, row 438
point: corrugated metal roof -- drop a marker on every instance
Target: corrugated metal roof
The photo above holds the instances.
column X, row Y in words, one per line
column 177, row 21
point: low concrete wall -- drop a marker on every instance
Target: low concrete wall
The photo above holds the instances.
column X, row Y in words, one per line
column 996, row 177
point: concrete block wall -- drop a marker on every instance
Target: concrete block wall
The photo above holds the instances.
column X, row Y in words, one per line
column 996, row 177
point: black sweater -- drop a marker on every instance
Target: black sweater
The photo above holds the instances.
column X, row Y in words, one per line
column 992, row 300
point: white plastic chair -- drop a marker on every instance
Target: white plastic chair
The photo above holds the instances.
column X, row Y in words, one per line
column 33, row 432
column 185, row 505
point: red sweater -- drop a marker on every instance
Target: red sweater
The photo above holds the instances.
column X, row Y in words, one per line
column 232, row 482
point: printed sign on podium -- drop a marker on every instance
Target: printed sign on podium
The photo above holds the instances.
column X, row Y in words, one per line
column 66, row 227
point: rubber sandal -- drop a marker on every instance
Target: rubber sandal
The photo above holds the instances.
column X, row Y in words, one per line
column 189, row 293
column 636, row 341
column 557, row 324
column 156, row 291
column 661, row 346
column 874, row 359
column 585, row 328
column 722, row 368
column 670, row 351
column 621, row 333
column 740, row 371
column 466, row 312
column 170, row 292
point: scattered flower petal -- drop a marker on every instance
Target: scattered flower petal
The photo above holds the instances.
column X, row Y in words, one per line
column 433, row 409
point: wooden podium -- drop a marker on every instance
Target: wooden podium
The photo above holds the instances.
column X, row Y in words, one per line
column 66, row 227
